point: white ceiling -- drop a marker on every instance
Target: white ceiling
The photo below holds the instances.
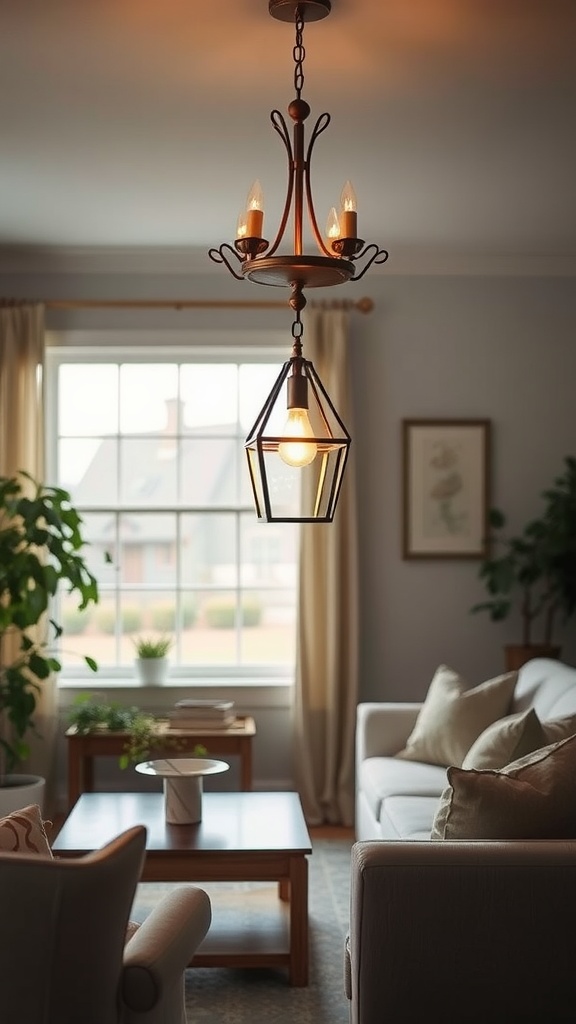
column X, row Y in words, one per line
column 142, row 123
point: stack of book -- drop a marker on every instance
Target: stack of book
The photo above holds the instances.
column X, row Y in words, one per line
column 201, row 714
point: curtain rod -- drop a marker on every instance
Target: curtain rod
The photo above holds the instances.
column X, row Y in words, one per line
column 364, row 305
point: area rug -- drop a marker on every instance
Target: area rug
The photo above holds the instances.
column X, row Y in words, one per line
column 225, row 996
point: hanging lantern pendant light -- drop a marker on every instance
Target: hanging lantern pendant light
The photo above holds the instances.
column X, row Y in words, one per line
column 298, row 446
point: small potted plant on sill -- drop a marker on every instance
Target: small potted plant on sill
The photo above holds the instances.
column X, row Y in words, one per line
column 41, row 546
column 152, row 659
column 535, row 571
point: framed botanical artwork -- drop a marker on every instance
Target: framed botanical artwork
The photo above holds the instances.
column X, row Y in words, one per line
column 445, row 488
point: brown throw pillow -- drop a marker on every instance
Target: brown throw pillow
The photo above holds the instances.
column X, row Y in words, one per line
column 506, row 740
column 532, row 798
column 556, row 729
column 453, row 716
column 23, row 832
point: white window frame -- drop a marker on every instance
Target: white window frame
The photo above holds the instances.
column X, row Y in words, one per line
column 130, row 346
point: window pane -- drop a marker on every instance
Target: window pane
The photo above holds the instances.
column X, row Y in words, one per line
column 88, row 399
column 148, row 471
column 269, row 620
column 268, row 552
column 209, row 472
column 149, row 398
column 89, row 467
column 208, row 550
column 148, row 546
column 210, row 395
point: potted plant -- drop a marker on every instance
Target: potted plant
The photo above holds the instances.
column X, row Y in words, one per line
column 152, row 659
column 88, row 714
column 534, row 571
column 40, row 548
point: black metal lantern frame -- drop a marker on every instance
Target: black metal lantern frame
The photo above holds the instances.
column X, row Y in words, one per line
column 303, row 487
column 341, row 259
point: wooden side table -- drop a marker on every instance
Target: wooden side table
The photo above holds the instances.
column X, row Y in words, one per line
column 83, row 748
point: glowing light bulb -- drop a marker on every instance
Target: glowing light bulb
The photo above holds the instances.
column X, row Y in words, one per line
column 255, row 211
column 295, row 453
column 332, row 227
column 241, row 227
column 349, row 215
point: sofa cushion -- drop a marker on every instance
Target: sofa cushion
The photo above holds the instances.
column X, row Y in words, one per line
column 407, row 817
column 532, row 798
column 556, row 729
column 23, row 831
column 506, row 740
column 453, row 716
column 381, row 777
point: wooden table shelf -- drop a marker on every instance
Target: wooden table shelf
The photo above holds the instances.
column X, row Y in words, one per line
column 235, row 740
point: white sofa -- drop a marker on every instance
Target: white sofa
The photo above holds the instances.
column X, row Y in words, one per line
column 397, row 799
column 456, row 931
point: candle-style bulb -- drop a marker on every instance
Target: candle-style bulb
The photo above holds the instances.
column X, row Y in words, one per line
column 348, row 201
column 332, row 225
column 255, row 211
column 241, row 227
column 348, row 214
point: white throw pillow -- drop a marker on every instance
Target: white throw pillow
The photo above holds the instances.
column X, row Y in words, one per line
column 453, row 716
column 506, row 740
column 532, row 798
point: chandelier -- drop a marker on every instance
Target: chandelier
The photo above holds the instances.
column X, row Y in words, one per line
column 298, row 446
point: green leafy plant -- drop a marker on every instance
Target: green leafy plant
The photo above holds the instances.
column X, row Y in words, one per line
column 153, row 647
column 41, row 546
column 535, row 571
column 89, row 714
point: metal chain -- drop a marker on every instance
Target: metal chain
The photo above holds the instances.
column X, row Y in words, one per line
column 297, row 332
column 299, row 54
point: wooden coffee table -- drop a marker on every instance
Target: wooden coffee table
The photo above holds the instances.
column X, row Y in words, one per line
column 243, row 837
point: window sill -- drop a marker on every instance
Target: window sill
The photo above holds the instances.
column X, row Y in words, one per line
column 257, row 692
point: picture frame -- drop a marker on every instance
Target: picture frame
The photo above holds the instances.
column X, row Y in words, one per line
column 446, row 481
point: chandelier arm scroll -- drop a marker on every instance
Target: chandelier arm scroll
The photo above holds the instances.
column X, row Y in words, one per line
column 378, row 256
column 281, row 127
column 218, row 256
column 320, row 126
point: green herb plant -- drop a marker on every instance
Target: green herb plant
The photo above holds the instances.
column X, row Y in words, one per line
column 91, row 715
column 153, row 647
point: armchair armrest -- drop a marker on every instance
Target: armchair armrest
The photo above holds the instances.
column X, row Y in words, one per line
column 383, row 728
column 157, row 955
column 483, row 930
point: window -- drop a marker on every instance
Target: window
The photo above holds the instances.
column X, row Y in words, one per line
column 150, row 443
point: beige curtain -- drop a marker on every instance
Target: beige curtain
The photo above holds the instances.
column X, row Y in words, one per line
column 326, row 690
column 22, row 447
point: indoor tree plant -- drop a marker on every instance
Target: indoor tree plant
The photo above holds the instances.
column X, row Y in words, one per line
column 534, row 571
column 41, row 546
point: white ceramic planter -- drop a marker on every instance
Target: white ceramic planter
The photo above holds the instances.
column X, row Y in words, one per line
column 151, row 671
column 182, row 785
column 19, row 791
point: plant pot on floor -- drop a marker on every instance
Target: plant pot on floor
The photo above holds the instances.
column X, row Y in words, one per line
column 516, row 655
column 19, row 791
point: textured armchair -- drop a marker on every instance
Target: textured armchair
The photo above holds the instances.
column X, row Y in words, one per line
column 64, row 958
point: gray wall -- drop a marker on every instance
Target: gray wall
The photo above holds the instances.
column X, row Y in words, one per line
column 503, row 348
